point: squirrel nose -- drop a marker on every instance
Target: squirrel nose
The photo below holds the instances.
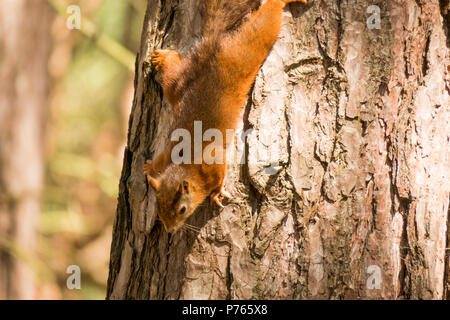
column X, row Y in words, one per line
column 168, row 230
column 165, row 226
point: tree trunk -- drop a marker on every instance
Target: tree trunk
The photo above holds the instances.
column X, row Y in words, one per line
column 24, row 52
column 358, row 205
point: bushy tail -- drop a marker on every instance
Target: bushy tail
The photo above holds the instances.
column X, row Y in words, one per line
column 222, row 16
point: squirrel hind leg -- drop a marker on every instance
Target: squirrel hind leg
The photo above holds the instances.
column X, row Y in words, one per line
column 169, row 62
column 165, row 59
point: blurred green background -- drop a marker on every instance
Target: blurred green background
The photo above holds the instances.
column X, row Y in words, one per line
column 90, row 98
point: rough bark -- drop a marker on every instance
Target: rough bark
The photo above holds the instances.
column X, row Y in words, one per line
column 361, row 118
column 24, row 52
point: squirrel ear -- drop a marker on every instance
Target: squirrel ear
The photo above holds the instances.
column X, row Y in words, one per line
column 155, row 184
column 184, row 187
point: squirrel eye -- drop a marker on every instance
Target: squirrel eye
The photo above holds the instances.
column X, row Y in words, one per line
column 182, row 210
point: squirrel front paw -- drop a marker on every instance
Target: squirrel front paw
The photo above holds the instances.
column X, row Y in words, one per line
column 148, row 167
column 218, row 197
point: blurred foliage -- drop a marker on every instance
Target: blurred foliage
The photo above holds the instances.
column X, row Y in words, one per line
column 90, row 98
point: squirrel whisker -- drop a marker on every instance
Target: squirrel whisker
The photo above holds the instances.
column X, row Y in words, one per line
column 192, row 227
column 189, row 229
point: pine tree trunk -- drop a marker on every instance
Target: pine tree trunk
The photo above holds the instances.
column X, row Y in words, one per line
column 358, row 206
column 24, row 52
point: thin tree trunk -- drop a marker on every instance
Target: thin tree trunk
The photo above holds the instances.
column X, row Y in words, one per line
column 359, row 205
column 24, row 51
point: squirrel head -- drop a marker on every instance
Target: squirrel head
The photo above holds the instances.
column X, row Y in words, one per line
column 177, row 197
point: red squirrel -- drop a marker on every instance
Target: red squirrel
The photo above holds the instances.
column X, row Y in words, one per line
column 211, row 85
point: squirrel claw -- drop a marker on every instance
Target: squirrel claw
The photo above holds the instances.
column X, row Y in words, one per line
column 218, row 197
column 217, row 201
column 163, row 58
column 225, row 195
column 157, row 59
